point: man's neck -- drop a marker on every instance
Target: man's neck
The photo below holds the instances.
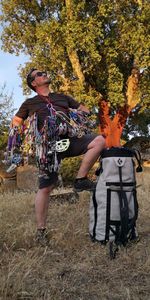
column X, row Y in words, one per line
column 44, row 91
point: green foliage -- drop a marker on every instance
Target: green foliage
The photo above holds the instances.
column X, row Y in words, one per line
column 145, row 88
column 6, row 111
column 69, row 169
column 88, row 47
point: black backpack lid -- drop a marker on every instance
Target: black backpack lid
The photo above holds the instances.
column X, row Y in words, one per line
column 117, row 152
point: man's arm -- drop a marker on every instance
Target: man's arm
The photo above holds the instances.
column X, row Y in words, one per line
column 16, row 121
column 76, row 105
column 83, row 108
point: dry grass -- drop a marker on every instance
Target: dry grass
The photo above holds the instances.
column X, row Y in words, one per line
column 72, row 267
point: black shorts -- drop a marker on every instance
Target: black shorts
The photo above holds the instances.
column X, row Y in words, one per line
column 78, row 146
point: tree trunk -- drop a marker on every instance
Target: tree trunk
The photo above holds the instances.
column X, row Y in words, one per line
column 72, row 53
column 112, row 127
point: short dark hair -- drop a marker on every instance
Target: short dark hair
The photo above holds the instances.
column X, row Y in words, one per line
column 30, row 79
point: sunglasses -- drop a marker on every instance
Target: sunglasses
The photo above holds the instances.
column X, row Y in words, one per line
column 39, row 74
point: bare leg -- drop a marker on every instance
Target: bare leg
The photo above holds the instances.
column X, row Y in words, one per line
column 90, row 157
column 41, row 206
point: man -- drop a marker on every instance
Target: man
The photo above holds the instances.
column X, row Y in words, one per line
column 90, row 144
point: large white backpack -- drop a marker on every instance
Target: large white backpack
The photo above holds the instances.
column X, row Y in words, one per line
column 113, row 205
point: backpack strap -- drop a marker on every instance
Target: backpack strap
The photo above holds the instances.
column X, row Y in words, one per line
column 138, row 157
column 124, row 211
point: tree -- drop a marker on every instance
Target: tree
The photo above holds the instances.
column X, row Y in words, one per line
column 96, row 50
column 6, row 112
column 137, row 124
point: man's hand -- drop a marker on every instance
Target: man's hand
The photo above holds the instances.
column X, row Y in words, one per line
column 16, row 121
column 83, row 108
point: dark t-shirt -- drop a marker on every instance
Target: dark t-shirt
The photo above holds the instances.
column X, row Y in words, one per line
column 38, row 105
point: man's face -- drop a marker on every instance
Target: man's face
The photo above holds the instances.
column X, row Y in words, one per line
column 40, row 78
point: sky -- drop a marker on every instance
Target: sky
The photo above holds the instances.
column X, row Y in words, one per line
column 9, row 74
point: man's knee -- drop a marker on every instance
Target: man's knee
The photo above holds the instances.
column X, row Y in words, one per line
column 103, row 141
column 98, row 142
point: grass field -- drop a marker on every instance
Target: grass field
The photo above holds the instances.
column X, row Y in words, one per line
column 72, row 267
